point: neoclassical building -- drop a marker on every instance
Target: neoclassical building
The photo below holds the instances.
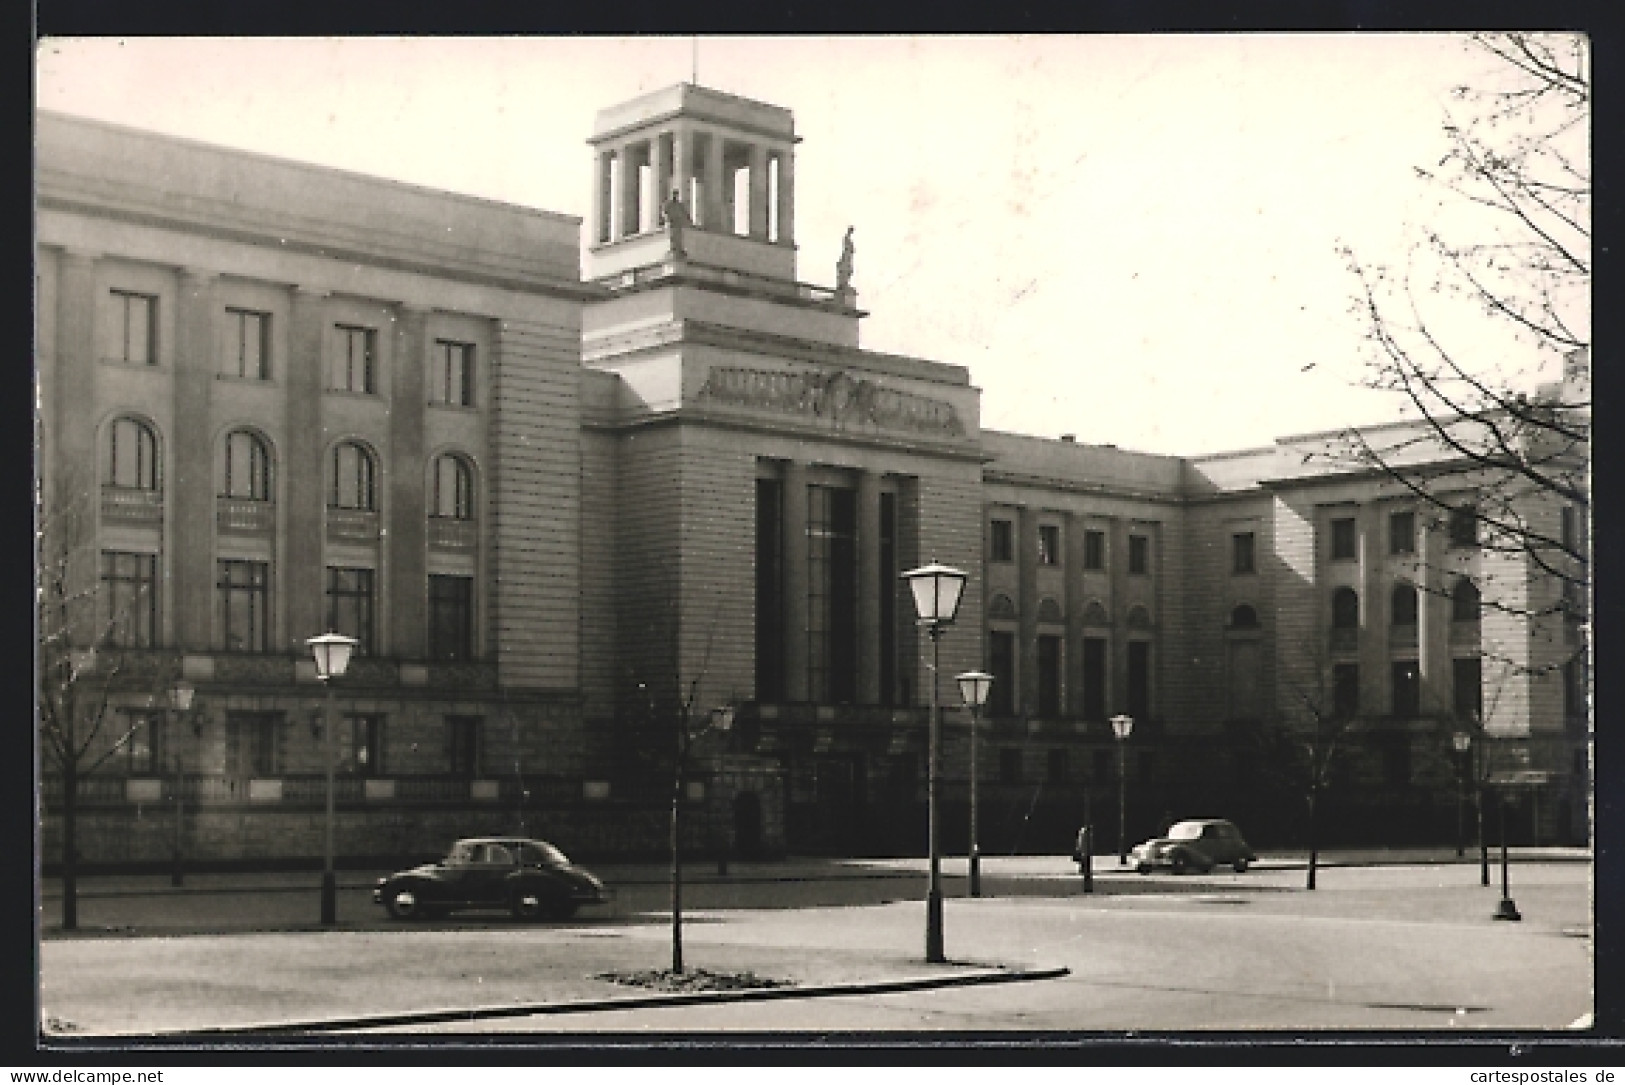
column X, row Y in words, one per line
column 565, row 508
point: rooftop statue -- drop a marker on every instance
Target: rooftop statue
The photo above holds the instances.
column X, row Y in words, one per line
column 843, row 266
column 677, row 220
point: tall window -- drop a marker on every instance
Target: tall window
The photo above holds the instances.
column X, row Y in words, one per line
column 254, row 743
column 1345, row 539
column 366, row 743
column 453, row 379
column 1094, row 678
column 351, row 367
column 1049, row 676
column 832, row 640
column 352, row 486
column 1402, row 533
column 1049, row 544
column 451, row 617
column 248, row 353
column 1139, row 554
column 1345, row 609
column 1242, row 559
column 1407, row 683
column 453, row 497
column 769, row 590
column 350, row 605
column 130, row 598
column 1464, row 526
column 248, row 467
column 143, row 741
column 244, row 592
column 463, row 746
column 132, row 455
column 1001, row 540
column 1139, row 679
column 1403, row 610
column 1094, row 550
column 1464, row 601
column 135, row 323
column 1001, row 662
column 1467, row 680
column 1345, row 690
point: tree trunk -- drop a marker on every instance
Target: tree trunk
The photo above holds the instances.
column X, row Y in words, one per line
column 677, row 866
column 1314, row 837
column 70, row 847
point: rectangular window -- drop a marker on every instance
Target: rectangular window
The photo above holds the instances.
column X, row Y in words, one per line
column 1094, row 550
column 1139, row 554
column 351, row 367
column 770, row 591
column 248, row 350
column 1464, row 526
column 1345, row 539
column 135, row 323
column 142, row 730
column 453, row 379
column 451, row 617
column 1402, row 533
column 1345, row 690
column 1407, row 682
column 1001, row 540
column 1001, row 658
column 1049, row 544
column 463, row 746
column 1056, row 766
column 1139, row 679
column 254, row 743
column 1467, row 680
column 366, row 743
column 1049, row 677
column 130, row 598
column 349, row 606
column 243, row 592
column 1094, row 678
column 1010, row 766
column 1241, row 553
column 832, row 631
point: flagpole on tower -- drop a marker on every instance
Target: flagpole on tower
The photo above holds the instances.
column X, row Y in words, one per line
column 694, row 57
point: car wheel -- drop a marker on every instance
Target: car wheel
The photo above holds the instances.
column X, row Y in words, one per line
column 526, row 905
column 1178, row 864
column 1240, row 866
column 402, row 903
column 1143, row 868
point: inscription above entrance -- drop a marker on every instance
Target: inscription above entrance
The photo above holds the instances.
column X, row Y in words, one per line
column 837, row 397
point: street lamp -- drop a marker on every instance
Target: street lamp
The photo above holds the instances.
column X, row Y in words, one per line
column 1122, row 727
column 718, row 719
column 1462, row 741
column 973, row 688
column 936, row 589
column 180, row 699
column 1506, row 909
column 1475, row 765
column 332, row 653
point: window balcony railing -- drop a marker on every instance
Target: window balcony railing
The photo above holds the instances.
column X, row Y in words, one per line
column 132, row 506
column 448, row 534
column 243, row 516
column 352, row 525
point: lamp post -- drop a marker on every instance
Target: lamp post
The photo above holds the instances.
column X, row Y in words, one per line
column 332, row 653
column 1506, row 909
column 1122, row 727
column 1475, row 765
column 936, row 589
column 1463, row 742
column 720, row 719
column 180, row 699
column 973, row 688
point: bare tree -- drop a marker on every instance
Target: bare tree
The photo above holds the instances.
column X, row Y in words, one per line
column 1485, row 332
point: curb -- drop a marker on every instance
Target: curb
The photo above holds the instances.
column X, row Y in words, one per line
column 631, row 1002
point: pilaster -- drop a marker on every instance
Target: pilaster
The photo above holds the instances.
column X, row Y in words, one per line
column 303, row 578
column 191, row 488
column 408, row 515
column 795, row 582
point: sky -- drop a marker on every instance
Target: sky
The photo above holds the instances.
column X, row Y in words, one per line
column 1132, row 239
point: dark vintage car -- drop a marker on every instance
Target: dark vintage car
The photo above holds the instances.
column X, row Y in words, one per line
column 1198, row 845
column 530, row 878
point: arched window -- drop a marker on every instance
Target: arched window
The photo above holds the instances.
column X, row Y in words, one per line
column 1345, row 609
column 1464, row 601
column 1139, row 618
column 248, row 467
column 132, row 455
column 352, row 478
column 1002, row 609
column 1050, row 611
column 453, row 496
column 1095, row 614
column 1244, row 617
column 1403, row 610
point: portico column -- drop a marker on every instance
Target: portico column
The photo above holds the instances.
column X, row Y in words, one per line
column 304, row 577
column 758, row 192
column 603, row 196
column 795, row 582
column 664, row 146
column 189, row 549
column 787, row 202
column 712, row 184
column 869, row 588
column 629, row 191
column 682, row 169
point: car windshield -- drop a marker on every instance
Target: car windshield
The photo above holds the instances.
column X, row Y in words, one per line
column 536, row 853
column 1185, row 830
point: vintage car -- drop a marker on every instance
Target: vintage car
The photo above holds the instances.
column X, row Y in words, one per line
column 530, row 878
column 1198, row 845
